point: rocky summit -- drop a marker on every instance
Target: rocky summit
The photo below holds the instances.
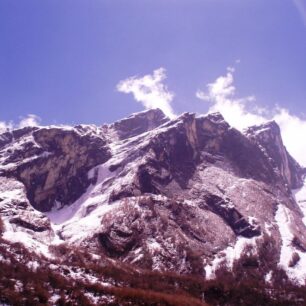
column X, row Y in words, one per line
column 187, row 197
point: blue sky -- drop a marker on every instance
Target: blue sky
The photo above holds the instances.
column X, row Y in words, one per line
column 62, row 59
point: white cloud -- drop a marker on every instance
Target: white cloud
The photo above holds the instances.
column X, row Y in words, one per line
column 293, row 131
column 29, row 120
column 243, row 112
column 221, row 89
column 150, row 91
column 235, row 111
column 5, row 126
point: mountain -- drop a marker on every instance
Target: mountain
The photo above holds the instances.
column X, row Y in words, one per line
column 153, row 196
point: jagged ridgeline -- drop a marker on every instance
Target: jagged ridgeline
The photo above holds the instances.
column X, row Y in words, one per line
column 180, row 204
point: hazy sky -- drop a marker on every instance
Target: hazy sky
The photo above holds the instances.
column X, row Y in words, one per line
column 62, row 60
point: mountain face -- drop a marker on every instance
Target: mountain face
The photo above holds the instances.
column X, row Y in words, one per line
column 184, row 195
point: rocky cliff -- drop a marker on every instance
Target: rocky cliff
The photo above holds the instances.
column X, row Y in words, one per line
column 180, row 195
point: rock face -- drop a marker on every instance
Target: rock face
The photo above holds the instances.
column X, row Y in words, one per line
column 162, row 194
column 52, row 163
column 137, row 124
column 269, row 140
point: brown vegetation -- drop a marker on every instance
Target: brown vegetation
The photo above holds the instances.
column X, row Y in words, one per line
column 243, row 285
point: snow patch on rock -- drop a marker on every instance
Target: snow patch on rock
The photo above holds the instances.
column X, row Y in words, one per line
column 297, row 272
column 229, row 255
column 300, row 198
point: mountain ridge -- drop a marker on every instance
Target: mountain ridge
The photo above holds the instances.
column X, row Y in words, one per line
column 185, row 195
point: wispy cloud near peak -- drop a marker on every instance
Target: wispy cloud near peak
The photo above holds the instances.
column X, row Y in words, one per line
column 243, row 112
column 5, row 126
column 150, row 91
column 29, row 120
column 221, row 89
